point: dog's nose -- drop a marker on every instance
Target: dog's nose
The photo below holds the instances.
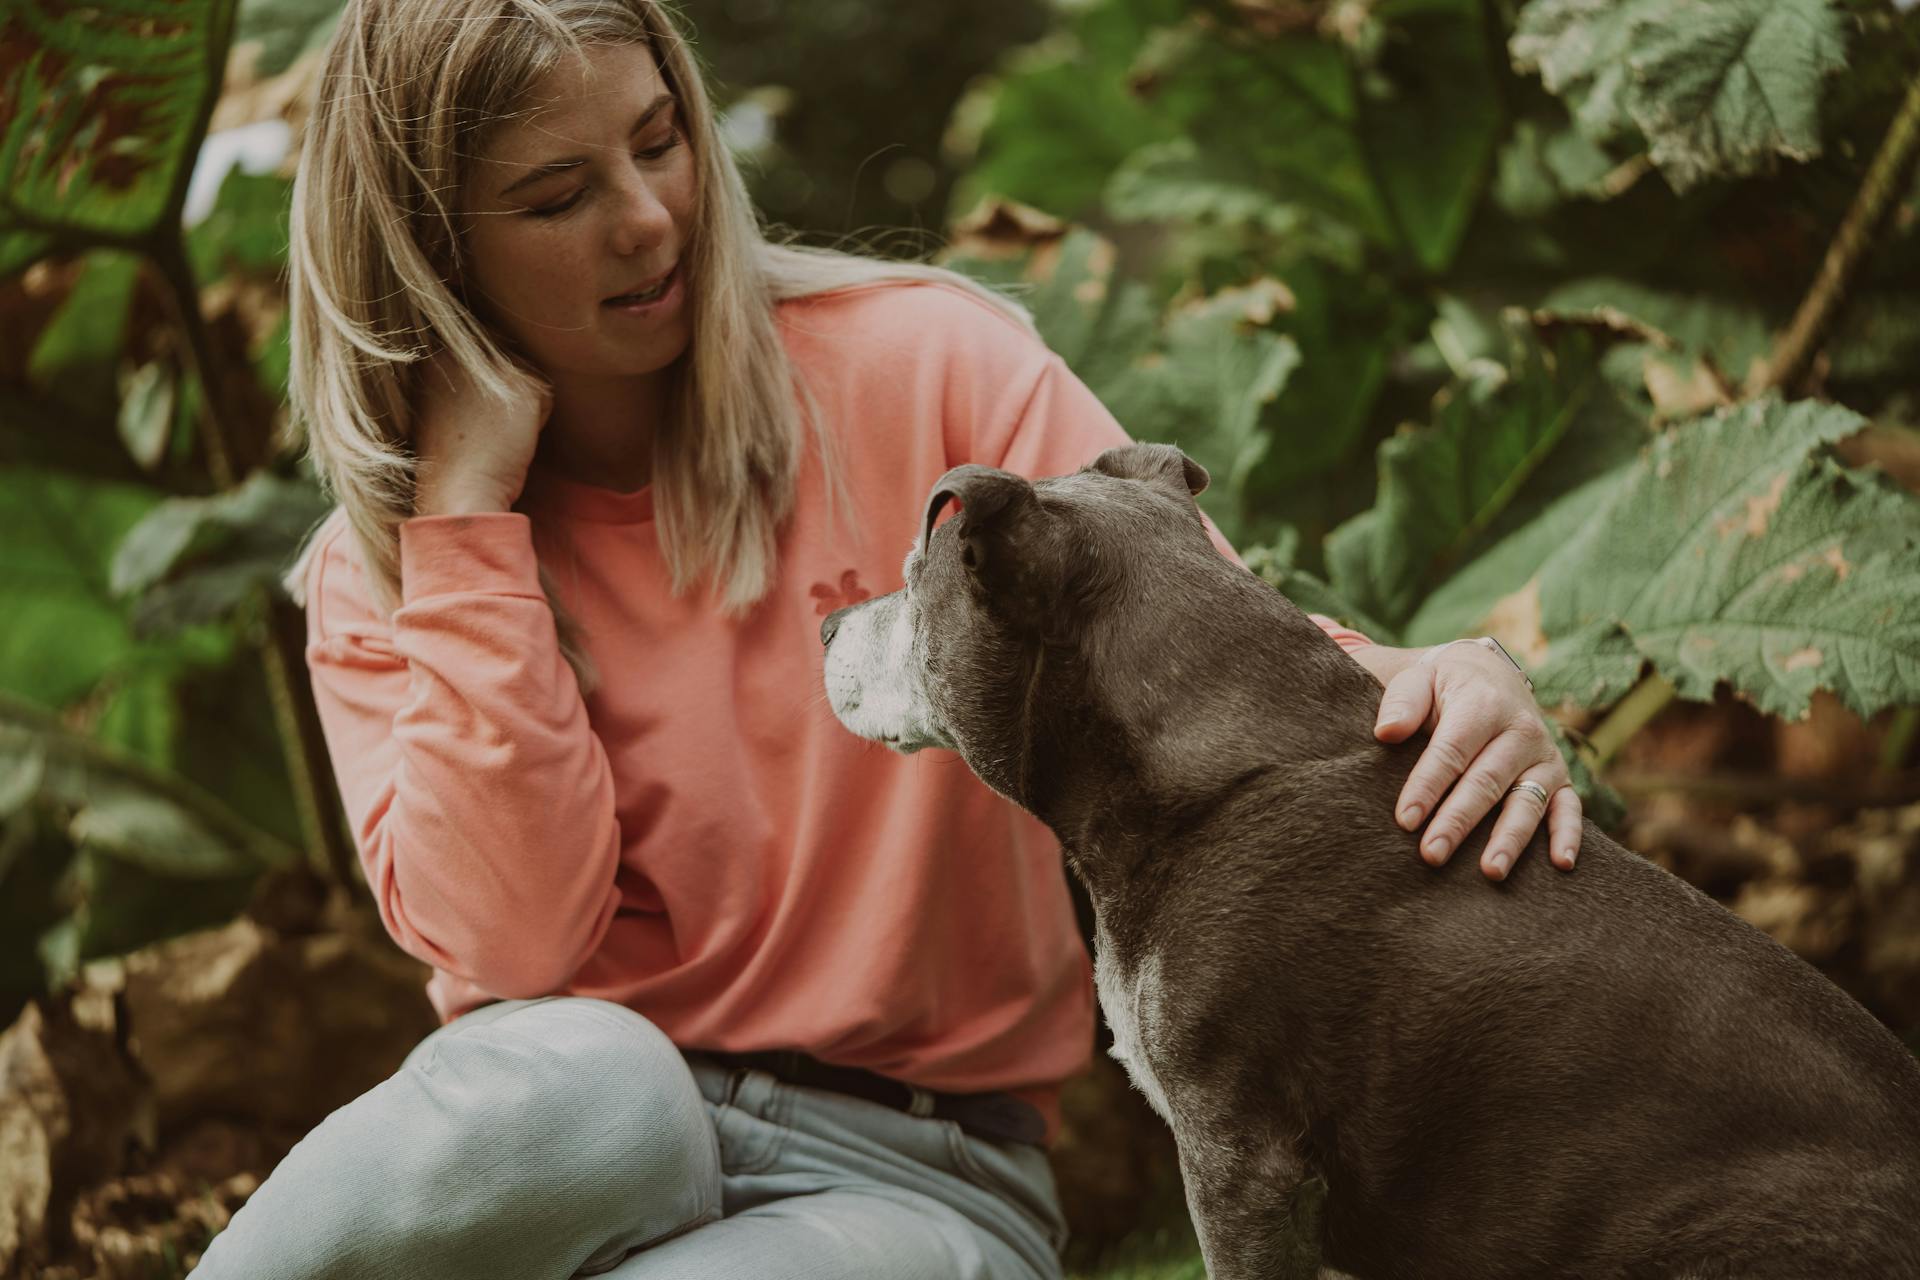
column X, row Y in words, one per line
column 831, row 625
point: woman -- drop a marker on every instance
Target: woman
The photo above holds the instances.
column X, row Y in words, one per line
column 727, row 992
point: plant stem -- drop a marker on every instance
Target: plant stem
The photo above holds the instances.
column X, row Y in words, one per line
column 1886, row 180
column 284, row 644
column 1646, row 700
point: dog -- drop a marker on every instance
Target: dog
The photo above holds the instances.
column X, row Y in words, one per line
column 1598, row 1074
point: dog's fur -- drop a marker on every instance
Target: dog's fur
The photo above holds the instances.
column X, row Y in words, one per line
column 1593, row 1074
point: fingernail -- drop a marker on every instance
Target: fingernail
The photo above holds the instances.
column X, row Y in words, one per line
column 1437, row 847
column 1500, row 861
column 1410, row 816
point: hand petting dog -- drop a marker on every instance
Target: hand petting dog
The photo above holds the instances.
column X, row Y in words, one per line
column 1489, row 741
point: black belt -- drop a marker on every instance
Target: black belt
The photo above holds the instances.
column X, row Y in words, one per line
column 1000, row 1117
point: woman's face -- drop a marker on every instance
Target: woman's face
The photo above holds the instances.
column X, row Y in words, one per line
column 578, row 205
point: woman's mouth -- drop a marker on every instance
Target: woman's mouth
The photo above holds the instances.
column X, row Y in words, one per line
column 642, row 298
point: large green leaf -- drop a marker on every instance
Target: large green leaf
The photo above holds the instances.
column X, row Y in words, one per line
column 1737, row 550
column 1734, row 335
column 1207, row 386
column 1720, row 88
column 285, row 29
column 1395, row 143
column 1062, row 115
column 195, row 560
column 116, row 803
column 1717, row 87
column 1203, row 376
column 74, row 358
column 103, row 106
column 1443, row 487
column 1580, row 49
column 64, row 630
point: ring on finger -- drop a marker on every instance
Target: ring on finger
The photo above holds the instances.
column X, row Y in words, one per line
column 1528, row 785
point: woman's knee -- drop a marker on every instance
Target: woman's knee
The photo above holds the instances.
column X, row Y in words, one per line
column 584, row 1093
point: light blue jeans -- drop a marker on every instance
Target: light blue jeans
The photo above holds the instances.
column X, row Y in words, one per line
column 569, row 1137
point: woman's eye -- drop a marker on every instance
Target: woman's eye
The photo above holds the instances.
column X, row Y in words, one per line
column 551, row 210
column 654, row 153
column 645, row 153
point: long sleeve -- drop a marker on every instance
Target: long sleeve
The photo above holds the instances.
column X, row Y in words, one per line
column 481, row 800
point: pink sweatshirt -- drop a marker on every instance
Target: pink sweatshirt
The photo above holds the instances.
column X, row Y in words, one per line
column 700, row 839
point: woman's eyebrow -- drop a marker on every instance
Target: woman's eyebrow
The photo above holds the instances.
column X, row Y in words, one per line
column 569, row 162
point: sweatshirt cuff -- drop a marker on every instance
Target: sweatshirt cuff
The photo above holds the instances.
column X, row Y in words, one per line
column 490, row 553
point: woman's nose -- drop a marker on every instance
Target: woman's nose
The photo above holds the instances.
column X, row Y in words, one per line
column 644, row 220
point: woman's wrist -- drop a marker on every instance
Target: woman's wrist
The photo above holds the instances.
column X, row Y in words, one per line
column 432, row 499
column 1384, row 661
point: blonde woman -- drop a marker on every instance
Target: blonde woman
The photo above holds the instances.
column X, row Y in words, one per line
column 726, row 992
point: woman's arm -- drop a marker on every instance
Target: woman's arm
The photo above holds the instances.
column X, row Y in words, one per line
column 480, row 798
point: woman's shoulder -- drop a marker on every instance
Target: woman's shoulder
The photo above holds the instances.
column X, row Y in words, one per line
column 918, row 320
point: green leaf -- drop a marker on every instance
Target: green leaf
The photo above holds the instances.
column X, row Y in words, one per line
column 1542, row 167
column 20, row 250
column 286, row 29
column 1399, row 149
column 1174, row 181
column 75, row 356
column 1274, row 564
column 104, row 104
column 1720, row 88
column 1442, row 488
column 1738, row 550
column 1733, row 334
column 195, row 560
column 246, row 230
column 1056, row 123
column 1580, row 49
column 64, row 629
column 1206, row 386
column 117, row 804
column 146, row 412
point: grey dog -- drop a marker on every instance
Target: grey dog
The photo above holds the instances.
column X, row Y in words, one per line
column 1595, row 1074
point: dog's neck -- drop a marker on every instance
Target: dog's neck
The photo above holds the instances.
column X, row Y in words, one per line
column 1135, row 742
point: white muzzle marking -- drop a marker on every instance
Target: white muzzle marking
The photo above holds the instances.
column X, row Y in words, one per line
column 875, row 683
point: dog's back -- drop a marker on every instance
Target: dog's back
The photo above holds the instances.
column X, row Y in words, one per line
column 1602, row 1074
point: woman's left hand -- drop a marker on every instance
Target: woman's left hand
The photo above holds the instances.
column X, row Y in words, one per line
column 1488, row 736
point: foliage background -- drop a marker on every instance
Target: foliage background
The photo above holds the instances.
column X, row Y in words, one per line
column 1573, row 322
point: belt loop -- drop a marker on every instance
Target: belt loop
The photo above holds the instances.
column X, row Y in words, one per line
column 919, row 1101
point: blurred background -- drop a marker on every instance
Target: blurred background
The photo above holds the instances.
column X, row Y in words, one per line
column 1594, row 327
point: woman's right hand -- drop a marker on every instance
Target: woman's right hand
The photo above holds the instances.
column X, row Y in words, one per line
column 474, row 449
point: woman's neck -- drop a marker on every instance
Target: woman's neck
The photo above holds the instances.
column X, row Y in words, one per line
column 601, row 431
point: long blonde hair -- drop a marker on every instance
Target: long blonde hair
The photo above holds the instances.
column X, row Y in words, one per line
column 408, row 89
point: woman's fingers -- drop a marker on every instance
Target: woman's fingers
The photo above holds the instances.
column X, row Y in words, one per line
column 1520, row 815
column 1564, row 830
column 1404, row 708
column 1479, row 789
column 1457, row 740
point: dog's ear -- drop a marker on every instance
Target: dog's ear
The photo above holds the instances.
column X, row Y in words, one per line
column 1156, row 464
column 992, row 503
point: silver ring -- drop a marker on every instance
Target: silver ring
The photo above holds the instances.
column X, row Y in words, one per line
column 1527, row 784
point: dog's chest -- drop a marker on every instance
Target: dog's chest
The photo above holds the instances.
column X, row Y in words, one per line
column 1130, row 997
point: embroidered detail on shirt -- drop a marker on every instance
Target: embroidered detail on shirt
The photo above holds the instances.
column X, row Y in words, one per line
column 827, row 597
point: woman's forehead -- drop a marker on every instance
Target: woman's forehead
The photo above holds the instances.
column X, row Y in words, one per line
column 582, row 102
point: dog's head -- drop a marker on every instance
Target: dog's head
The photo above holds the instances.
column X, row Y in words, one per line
column 1014, row 608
